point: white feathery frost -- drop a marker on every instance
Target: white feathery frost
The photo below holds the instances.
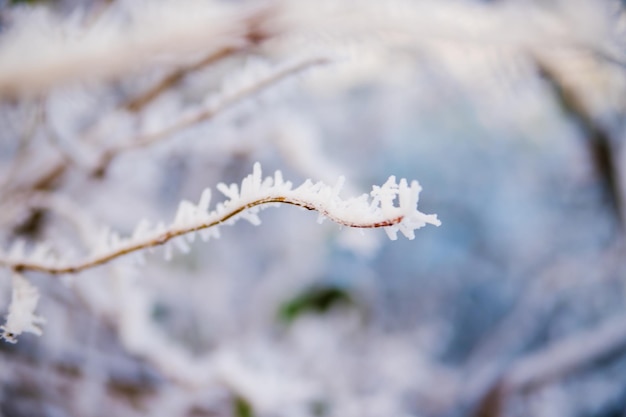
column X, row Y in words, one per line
column 22, row 317
column 392, row 206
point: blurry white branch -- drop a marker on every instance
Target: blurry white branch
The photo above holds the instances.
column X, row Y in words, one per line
column 566, row 356
column 40, row 51
column 230, row 96
column 557, row 360
column 245, row 202
column 121, row 41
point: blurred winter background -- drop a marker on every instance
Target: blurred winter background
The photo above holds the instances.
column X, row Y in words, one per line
column 510, row 113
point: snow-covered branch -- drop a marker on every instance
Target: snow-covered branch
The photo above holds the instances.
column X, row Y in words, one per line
column 378, row 209
column 122, row 40
column 229, row 97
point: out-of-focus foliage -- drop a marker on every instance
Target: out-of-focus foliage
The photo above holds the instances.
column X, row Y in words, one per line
column 314, row 300
column 510, row 113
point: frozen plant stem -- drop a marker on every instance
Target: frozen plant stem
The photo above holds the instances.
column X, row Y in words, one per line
column 367, row 211
column 203, row 115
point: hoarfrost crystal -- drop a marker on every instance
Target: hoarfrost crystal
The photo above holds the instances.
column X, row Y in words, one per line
column 22, row 317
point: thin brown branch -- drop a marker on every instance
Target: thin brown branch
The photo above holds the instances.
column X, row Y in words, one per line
column 136, row 104
column 170, row 234
column 204, row 114
column 256, row 32
column 224, row 104
column 602, row 149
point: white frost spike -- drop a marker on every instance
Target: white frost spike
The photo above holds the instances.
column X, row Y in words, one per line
column 184, row 214
column 386, row 195
column 257, row 177
column 337, row 189
column 278, row 179
column 247, row 188
column 141, row 230
column 115, row 240
column 205, row 200
column 408, row 197
column 231, row 192
column 252, row 218
column 267, row 184
column 18, row 250
column 101, row 241
column 22, row 317
column 392, row 232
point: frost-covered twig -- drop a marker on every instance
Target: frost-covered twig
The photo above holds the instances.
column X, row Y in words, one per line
column 255, row 34
column 227, row 99
column 137, row 103
column 378, row 209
